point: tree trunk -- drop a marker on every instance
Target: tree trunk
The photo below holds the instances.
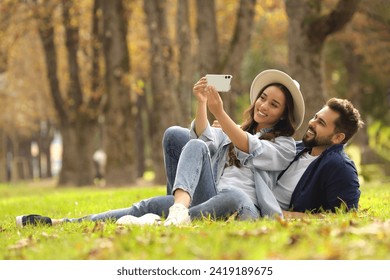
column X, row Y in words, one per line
column 77, row 125
column 13, row 150
column 21, row 158
column 3, row 156
column 210, row 59
column 77, row 168
column 120, row 118
column 9, row 157
column 141, row 137
column 186, row 62
column 47, row 158
column 44, row 138
column 233, row 59
column 307, row 32
column 25, row 158
column 4, row 23
column 353, row 64
column 206, row 27
column 165, row 106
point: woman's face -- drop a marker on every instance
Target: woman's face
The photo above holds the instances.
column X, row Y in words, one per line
column 269, row 107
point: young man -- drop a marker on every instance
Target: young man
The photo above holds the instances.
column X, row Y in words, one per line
column 322, row 176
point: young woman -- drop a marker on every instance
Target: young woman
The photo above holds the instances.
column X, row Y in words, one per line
column 226, row 170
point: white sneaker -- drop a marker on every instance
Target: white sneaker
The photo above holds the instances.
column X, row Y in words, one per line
column 147, row 219
column 178, row 215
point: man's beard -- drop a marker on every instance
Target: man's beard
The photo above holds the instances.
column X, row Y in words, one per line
column 314, row 141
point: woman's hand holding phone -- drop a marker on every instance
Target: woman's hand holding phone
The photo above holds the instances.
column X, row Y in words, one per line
column 200, row 90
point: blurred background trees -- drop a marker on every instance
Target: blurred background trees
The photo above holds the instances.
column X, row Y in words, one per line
column 78, row 76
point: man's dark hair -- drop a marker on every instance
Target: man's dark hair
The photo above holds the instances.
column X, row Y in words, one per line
column 349, row 120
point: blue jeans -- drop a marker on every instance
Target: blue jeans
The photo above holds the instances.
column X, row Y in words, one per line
column 188, row 167
column 174, row 140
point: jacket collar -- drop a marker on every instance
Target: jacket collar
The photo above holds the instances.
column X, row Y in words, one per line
column 301, row 149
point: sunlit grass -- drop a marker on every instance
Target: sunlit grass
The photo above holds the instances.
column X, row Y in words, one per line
column 361, row 235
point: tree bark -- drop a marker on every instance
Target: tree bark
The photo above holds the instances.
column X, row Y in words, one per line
column 306, row 36
column 141, row 138
column 165, row 106
column 233, row 59
column 3, row 153
column 77, row 124
column 187, row 63
column 353, row 64
column 120, row 118
column 77, row 169
column 44, row 138
column 211, row 60
column 206, row 27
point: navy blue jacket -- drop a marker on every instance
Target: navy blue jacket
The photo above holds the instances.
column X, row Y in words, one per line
column 330, row 182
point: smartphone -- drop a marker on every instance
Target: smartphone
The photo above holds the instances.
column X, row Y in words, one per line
column 220, row 81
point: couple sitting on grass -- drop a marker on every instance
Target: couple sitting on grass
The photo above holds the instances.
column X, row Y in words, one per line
column 253, row 170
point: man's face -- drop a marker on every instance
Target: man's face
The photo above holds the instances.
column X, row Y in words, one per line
column 321, row 130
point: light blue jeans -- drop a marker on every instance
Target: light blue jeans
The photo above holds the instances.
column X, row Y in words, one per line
column 188, row 167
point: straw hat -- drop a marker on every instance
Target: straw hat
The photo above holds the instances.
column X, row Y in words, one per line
column 275, row 76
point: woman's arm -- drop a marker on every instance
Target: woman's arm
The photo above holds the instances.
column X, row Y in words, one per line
column 272, row 155
column 235, row 133
column 201, row 120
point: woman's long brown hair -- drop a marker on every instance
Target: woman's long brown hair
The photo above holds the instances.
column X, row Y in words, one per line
column 284, row 127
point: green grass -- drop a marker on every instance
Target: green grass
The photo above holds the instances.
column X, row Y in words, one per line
column 353, row 236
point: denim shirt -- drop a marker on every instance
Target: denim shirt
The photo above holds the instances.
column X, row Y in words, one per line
column 265, row 158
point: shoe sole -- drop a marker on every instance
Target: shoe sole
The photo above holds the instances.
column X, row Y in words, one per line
column 172, row 222
column 149, row 219
column 19, row 221
column 141, row 221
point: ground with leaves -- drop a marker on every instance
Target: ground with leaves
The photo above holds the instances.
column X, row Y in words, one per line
column 361, row 235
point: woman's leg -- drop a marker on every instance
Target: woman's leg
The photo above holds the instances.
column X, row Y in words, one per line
column 174, row 139
column 158, row 205
column 226, row 203
column 194, row 182
column 194, row 173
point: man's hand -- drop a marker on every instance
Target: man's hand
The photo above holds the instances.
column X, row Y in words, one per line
column 216, row 124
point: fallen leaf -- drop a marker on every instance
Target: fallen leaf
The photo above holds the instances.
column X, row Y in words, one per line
column 22, row 243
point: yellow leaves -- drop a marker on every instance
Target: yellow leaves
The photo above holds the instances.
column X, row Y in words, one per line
column 31, row 241
column 101, row 246
column 122, row 230
column 22, row 243
column 251, row 233
column 273, row 15
column 378, row 229
column 332, row 237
